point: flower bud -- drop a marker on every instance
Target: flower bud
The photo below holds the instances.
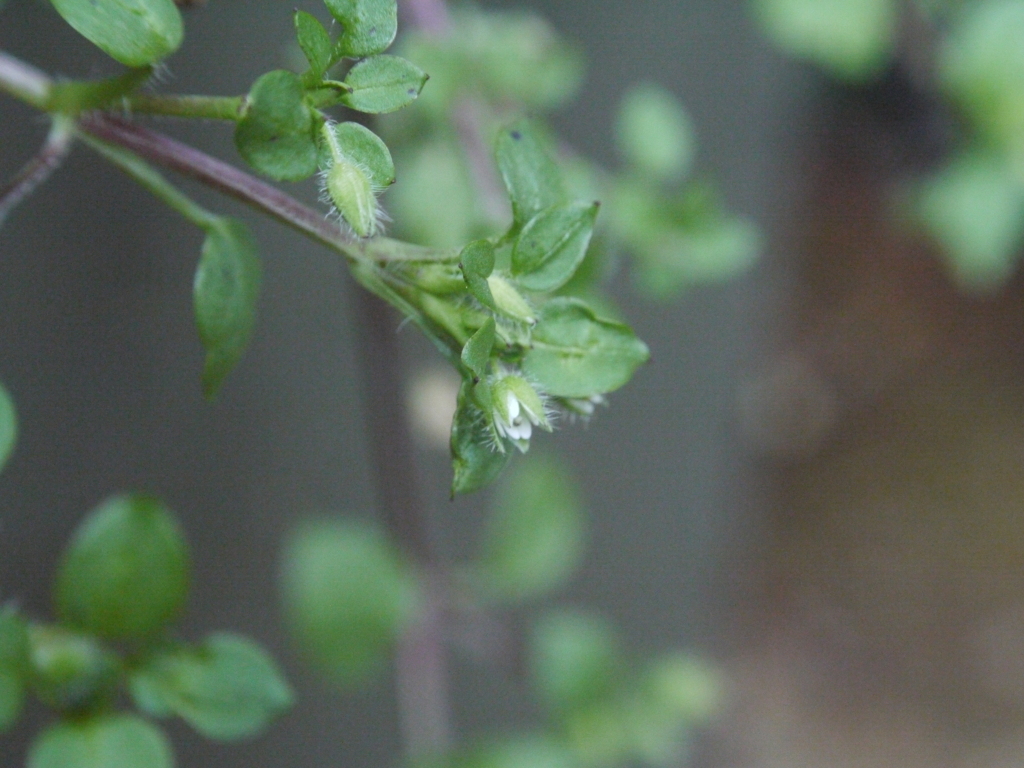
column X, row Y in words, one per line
column 352, row 194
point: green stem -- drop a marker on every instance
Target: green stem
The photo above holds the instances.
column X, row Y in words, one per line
column 203, row 107
column 153, row 181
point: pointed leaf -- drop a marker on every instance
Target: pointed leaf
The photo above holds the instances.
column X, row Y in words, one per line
column 383, row 84
column 367, row 26
column 575, row 354
column 552, row 245
column 125, row 573
column 8, row 426
column 530, row 175
column 275, row 134
column 105, row 741
column 477, row 352
column 314, row 42
column 135, row 32
column 225, row 293
column 476, row 460
column 227, row 688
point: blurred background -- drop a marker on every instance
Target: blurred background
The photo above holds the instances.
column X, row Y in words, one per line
column 816, row 482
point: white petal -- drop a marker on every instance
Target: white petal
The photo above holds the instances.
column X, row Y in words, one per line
column 513, row 407
column 521, row 431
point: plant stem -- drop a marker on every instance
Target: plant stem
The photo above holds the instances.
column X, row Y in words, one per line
column 23, row 81
column 39, row 168
column 203, row 107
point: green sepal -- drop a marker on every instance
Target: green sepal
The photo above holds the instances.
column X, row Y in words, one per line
column 552, row 245
column 476, row 457
column 576, row 354
column 276, row 132
column 476, row 261
column 382, row 84
column 80, row 96
column 227, row 688
column 477, row 352
column 135, row 32
column 348, row 595
column 125, row 573
column 314, row 42
column 358, row 144
column 225, row 293
column 8, row 426
column 104, row 741
column 531, row 177
column 534, row 532
column 14, row 666
column 71, row 671
column 367, row 26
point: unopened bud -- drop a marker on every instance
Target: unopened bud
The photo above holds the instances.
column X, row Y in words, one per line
column 352, row 194
column 508, row 301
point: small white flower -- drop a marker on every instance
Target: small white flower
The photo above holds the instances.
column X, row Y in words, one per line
column 517, row 410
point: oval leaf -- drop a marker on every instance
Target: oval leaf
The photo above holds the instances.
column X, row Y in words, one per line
column 359, row 145
column 383, row 84
column 367, row 26
column 135, row 32
column 533, row 540
column 347, row 595
column 227, row 688
column 531, row 177
column 125, row 573
column 8, row 426
column 314, row 42
column 225, row 293
column 575, row 354
column 552, row 245
column 107, row 741
column 477, row 263
column 275, row 135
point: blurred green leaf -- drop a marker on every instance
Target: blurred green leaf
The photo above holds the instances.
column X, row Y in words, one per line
column 684, row 686
column 347, row 596
column 227, row 688
column 225, row 293
column 125, row 573
column 975, row 209
column 8, row 426
column 13, row 666
column 435, row 204
column 477, row 352
column 853, row 39
column 135, row 32
column 576, row 354
column 534, row 535
column 366, row 149
column 383, row 84
column 476, row 458
column 531, row 177
column 654, row 132
column 314, row 42
column 367, row 26
column 574, row 660
column 104, row 741
column 275, row 134
column 71, row 671
column 552, row 245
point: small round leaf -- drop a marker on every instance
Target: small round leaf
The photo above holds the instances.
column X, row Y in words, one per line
column 275, row 135
column 106, row 741
column 383, row 84
column 367, row 26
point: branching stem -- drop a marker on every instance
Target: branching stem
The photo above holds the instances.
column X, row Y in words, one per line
column 39, row 168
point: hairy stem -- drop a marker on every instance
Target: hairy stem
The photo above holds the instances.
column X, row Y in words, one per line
column 39, row 168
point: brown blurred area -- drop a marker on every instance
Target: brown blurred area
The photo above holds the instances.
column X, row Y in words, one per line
column 885, row 623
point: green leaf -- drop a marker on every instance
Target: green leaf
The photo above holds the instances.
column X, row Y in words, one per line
column 477, row 352
column 476, row 459
column 347, row 595
column 105, row 741
column 531, row 177
column 383, row 84
column 477, row 263
column 71, row 671
column 13, row 666
column 975, row 209
column 552, row 245
column 573, row 659
column 227, row 688
column 359, row 145
column 436, row 203
column 275, row 134
column 852, row 38
column 135, row 32
column 684, row 686
column 654, row 132
column 125, row 573
column 314, row 42
column 225, row 293
column 534, row 535
column 8, row 426
column 368, row 26
column 576, row 354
